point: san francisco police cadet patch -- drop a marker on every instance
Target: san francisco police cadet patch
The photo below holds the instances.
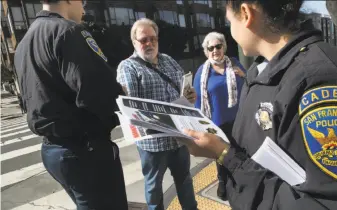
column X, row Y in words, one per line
column 318, row 117
column 93, row 45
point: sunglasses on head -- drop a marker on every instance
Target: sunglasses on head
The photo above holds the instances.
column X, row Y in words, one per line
column 145, row 40
column 211, row 48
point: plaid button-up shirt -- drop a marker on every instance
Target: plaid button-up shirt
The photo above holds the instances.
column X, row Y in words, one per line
column 143, row 82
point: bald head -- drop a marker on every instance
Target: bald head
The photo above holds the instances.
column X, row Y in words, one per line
column 331, row 5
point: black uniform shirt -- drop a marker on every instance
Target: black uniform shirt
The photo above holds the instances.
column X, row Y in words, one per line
column 64, row 79
column 294, row 102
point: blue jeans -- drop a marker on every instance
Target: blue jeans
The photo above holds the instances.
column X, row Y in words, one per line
column 154, row 165
column 92, row 178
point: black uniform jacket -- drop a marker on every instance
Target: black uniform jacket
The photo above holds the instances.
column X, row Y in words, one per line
column 294, row 102
column 65, row 81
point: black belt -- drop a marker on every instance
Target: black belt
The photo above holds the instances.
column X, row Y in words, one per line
column 75, row 140
column 86, row 142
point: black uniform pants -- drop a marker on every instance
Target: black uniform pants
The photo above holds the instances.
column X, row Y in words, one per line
column 227, row 129
column 91, row 173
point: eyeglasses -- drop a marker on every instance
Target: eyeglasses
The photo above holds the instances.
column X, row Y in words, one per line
column 145, row 40
column 211, row 48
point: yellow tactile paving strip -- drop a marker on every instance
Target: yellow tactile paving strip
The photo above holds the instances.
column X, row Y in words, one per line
column 204, row 178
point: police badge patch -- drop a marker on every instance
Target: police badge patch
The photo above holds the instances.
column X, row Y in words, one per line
column 93, row 45
column 263, row 115
column 319, row 127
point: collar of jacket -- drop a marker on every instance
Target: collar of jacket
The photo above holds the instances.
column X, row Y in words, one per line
column 44, row 13
column 283, row 59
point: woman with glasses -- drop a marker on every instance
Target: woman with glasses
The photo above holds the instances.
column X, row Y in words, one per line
column 218, row 85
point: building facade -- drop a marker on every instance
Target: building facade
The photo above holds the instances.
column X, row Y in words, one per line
column 183, row 25
column 196, row 18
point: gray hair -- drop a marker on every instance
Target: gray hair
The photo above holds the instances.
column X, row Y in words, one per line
column 142, row 22
column 211, row 36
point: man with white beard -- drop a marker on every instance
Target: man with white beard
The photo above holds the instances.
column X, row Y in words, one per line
column 153, row 75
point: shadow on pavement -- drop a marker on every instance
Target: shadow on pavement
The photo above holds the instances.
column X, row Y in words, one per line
column 11, row 117
column 6, row 95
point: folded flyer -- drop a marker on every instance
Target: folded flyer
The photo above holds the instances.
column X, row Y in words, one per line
column 136, row 133
column 170, row 119
column 187, row 83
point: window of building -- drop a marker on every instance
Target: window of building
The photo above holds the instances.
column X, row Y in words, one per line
column 90, row 12
column 201, row 38
column 220, row 4
column 212, row 22
column 196, row 42
column 112, row 16
column 187, row 49
column 32, row 10
column 191, row 16
column 18, row 20
column 203, row 20
column 121, row 16
column 201, row 1
column 210, row 3
column 182, row 20
column 169, row 16
column 107, row 22
column 140, row 15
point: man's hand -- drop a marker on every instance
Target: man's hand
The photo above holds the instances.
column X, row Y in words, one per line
column 190, row 95
column 205, row 144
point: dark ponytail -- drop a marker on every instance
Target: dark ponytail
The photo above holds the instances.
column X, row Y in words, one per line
column 281, row 16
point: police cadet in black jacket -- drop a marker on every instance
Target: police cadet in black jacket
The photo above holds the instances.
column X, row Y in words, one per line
column 70, row 93
column 290, row 95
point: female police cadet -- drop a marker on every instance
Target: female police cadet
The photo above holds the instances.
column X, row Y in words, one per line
column 290, row 95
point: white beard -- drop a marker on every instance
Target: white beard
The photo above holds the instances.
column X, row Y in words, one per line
column 147, row 58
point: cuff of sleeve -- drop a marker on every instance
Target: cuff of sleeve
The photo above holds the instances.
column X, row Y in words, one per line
column 234, row 158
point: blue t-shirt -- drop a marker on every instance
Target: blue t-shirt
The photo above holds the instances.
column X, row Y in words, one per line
column 218, row 94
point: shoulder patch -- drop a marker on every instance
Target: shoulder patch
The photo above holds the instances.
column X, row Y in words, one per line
column 85, row 34
column 317, row 96
column 94, row 46
column 319, row 127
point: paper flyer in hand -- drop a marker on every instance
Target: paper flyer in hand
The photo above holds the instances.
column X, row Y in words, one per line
column 165, row 117
column 136, row 133
column 187, row 83
column 273, row 158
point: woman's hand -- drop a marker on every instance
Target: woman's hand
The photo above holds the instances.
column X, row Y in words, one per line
column 190, row 95
column 239, row 72
column 205, row 144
